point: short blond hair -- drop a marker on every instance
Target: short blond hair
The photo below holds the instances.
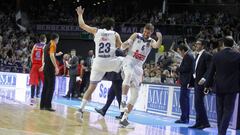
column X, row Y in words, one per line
column 149, row 26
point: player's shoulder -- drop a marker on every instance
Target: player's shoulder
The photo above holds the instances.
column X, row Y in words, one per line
column 136, row 35
column 53, row 45
column 116, row 34
column 105, row 31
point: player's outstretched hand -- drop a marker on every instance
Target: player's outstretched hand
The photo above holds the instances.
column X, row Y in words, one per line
column 80, row 10
column 59, row 53
column 159, row 35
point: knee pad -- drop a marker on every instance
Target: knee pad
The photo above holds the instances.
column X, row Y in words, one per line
column 134, row 95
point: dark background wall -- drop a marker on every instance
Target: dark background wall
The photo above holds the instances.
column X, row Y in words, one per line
column 81, row 46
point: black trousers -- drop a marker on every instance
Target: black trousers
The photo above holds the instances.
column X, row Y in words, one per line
column 201, row 114
column 72, row 86
column 238, row 120
column 184, row 103
column 48, row 89
column 225, row 106
column 85, row 82
column 114, row 91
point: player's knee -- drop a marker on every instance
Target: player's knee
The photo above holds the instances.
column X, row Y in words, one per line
column 127, row 79
column 134, row 96
column 91, row 87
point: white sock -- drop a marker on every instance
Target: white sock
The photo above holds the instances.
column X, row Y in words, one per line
column 125, row 115
column 124, row 98
column 83, row 104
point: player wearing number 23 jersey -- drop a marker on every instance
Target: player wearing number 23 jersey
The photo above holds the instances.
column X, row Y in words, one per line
column 105, row 59
column 106, row 42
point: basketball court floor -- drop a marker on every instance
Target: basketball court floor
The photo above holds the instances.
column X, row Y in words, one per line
column 22, row 119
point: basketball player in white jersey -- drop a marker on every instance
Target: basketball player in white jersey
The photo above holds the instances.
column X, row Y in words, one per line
column 106, row 42
column 139, row 46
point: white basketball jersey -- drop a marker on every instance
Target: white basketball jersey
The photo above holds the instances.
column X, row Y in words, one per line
column 140, row 49
column 105, row 43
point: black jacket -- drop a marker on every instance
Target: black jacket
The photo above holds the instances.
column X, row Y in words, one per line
column 186, row 70
column 203, row 66
column 225, row 70
column 73, row 69
column 112, row 76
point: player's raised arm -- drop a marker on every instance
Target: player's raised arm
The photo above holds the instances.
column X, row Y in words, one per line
column 129, row 42
column 80, row 11
column 159, row 41
column 118, row 41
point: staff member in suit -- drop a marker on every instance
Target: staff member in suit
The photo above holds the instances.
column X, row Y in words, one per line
column 73, row 72
column 225, row 67
column 186, row 70
column 202, row 62
column 50, row 69
column 87, row 70
column 115, row 90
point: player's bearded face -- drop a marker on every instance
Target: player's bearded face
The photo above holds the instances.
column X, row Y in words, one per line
column 147, row 33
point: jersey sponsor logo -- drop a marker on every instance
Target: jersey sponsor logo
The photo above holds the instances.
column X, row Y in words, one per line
column 138, row 55
column 104, row 39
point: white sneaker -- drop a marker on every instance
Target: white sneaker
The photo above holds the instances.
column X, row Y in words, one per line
column 79, row 115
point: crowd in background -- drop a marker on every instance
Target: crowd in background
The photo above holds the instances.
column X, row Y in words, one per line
column 15, row 45
column 126, row 12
